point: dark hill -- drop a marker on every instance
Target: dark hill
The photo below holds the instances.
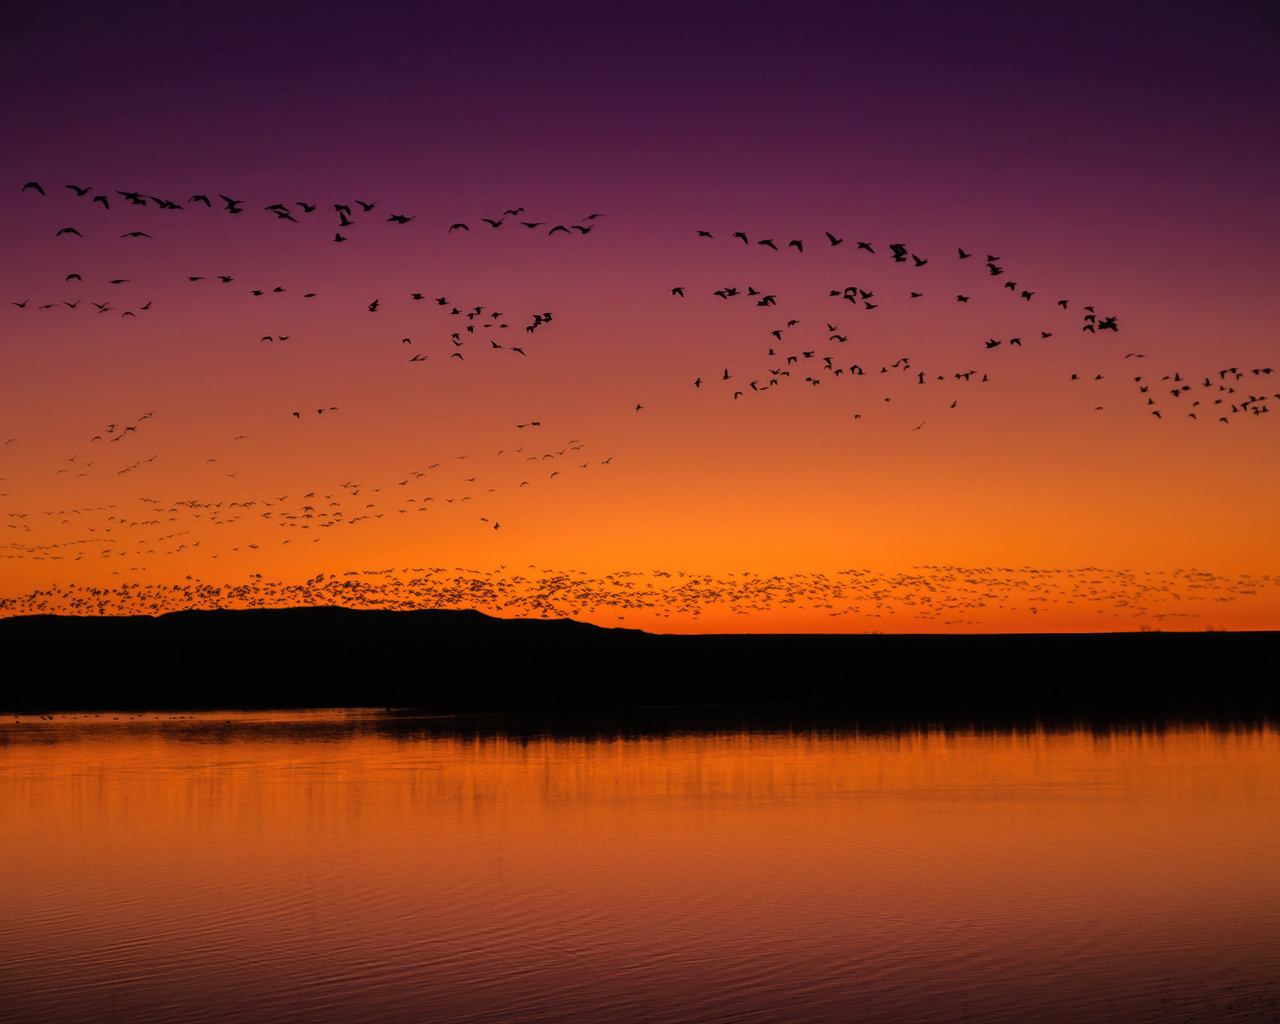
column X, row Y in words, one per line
column 464, row 661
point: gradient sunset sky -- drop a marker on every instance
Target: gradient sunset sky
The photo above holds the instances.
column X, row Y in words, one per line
column 1123, row 160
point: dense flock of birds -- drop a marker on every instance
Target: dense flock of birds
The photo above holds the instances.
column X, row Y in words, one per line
column 793, row 351
column 947, row 596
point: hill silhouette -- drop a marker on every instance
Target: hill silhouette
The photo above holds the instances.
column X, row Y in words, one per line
column 446, row 661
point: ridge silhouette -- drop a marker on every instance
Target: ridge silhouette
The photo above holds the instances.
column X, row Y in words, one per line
column 461, row 661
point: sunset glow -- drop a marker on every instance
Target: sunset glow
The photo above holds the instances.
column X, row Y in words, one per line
column 681, row 462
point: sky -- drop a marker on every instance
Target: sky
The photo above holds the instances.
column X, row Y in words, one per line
column 591, row 442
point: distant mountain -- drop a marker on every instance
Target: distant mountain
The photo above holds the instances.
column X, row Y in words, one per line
column 449, row 661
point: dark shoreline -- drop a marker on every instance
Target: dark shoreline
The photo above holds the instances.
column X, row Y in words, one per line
column 464, row 662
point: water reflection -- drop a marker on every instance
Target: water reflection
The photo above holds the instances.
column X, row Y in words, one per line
column 339, row 866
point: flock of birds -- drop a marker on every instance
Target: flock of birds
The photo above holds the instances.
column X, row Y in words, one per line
column 795, row 349
column 347, row 504
column 286, row 211
column 807, row 358
column 943, row 595
column 806, row 362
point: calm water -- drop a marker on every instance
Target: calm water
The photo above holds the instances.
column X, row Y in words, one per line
column 344, row 867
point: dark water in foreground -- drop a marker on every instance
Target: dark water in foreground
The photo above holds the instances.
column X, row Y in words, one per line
column 340, row 867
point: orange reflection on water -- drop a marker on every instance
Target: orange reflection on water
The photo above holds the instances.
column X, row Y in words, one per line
column 792, row 876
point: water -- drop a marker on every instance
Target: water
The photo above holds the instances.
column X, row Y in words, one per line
column 345, row 867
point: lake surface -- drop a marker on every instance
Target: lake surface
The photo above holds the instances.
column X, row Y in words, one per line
column 345, row 867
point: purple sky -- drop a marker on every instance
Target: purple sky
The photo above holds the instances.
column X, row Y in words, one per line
column 960, row 102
